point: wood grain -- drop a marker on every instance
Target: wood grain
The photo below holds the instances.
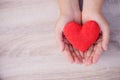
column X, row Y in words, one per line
column 28, row 49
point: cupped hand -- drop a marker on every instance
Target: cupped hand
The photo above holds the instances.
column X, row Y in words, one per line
column 71, row 53
column 92, row 54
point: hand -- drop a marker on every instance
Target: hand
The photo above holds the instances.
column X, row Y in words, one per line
column 92, row 10
column 71, row 53
column 93, row 54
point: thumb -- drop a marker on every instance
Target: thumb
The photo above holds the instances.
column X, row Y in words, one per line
column 105, row 40
column 60, row 41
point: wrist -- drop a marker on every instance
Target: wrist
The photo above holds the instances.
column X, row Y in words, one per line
column 66, row 18
column 71, row 15
column 91, row 12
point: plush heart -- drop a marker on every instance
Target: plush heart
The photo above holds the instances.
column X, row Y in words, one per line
column 82, row 36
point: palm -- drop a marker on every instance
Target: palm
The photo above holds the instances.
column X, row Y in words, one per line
column 72, row 54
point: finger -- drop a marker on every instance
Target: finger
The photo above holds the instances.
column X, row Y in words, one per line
column 105, row 41
column 84, row 57
column 68, row 54
column 74, row 55
column 89, row 61
column 78, row 55
column 66, row 41
column 60, row 40
column 88, row 53
column 81, row 53
column 97, row 53
column 105, row 36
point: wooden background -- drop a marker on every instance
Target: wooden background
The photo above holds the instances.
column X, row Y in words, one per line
column 28, row 49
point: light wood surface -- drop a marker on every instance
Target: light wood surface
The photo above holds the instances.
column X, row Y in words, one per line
column 28, row 49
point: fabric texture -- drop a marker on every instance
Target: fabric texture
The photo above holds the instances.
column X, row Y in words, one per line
column 82, row 36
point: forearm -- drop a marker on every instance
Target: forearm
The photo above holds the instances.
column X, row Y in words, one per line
column 69, row 7
column 95, row 5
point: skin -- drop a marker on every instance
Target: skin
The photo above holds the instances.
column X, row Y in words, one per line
column 93, row 12
column 69, row 11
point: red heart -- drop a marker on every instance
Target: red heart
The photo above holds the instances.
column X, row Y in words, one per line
column 82, row 36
